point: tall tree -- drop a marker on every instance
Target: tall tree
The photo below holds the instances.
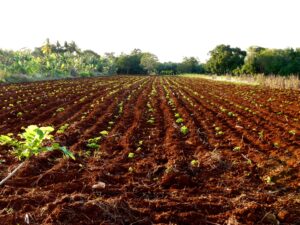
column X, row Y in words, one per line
column 149, row 62
column 190, row 65
column 224, row 59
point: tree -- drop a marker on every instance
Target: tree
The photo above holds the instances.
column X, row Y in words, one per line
column 149, row 62
column 130, row 64
column 224, row 59
column 190, row 65
column 272, row 61
column 167, row 68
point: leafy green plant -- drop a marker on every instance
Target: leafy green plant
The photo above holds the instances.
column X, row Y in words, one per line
column 34, row 141
column 131, row 155
column 151, row 121
column 179, row 120
column 231, row 114
column 19, row 114
column 217, row 129
column 62, row 128
column 276, row 145
column 130, row 169
column 220, row 133
column 184, row 130
column 237, row 148
column 261, row 135
column 292, row 132
column 194, row 163
column 60, row 109
column 93, row 142
column 104, row 133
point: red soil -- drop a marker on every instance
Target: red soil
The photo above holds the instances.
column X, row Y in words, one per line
column 244, row 142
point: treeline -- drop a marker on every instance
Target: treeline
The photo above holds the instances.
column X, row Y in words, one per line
column 257, row 60
column 68, row 60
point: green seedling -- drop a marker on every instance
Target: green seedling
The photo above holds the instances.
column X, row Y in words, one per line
column 62, row 129
column 151, row 121
column 231, row 114
column 130, row 170
column 94, row 143
column 131, row 155
column 269, row 180
column 60, row 109
column 276, row 145
column 292, row 132
column 184, row 130
column 261, row 135
column 194, row 163
column 220, row 133
column 237, row 148
column 217, row 128
column 177, row 115
column 111, row 122
column 34, row 141
column 19, row 114
column 179, row 120
column 104, row 132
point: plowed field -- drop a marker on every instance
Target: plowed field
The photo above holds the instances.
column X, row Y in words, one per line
column 154, row 150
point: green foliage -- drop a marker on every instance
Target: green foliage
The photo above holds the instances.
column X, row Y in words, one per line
column 52, row 61
column 194, row 163
column 151, row 120
column 130, row 64
column 272, row 61
column 179, row 120
column 184, row 130
column 237, row 148
column 225, row 59
column 104, row 133
column 131, row 155
column 149, row 62
column 60, row 109
column 19, row 114
column 62, row 129
column 167, row 68
column 34, row 141
column 190, row 65
column 94, row 142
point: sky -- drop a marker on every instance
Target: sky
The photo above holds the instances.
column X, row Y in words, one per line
column 170, row 29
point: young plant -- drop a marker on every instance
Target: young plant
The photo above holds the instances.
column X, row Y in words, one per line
column 19, row 114
column 179, row 120
column 104, row 133
column 177, row 115
column 292, row 132
column 194, row 163
column 32, row 143
column 131, row 155
column 184, row 130
column 60, row 109
column 93, row 142
column 62, row 128
column 237, row 148
column 151, row 120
